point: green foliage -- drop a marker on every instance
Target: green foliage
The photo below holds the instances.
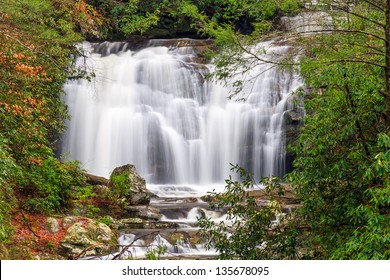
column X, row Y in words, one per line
column 107, row 220
column 50, row 23
column 253, row 229
column 119, row 187
column 244, row 17
column 341, row 166
column 341, row 162
column 124, row 18
column 188, row 16
column 9, row 172
column 234, row 12
column 49, row 185
column 35, row 51
column 83, row 201
column 37, row 40
column 156, row 253
column 371, row 239
column 131, row 19
column 335, row 150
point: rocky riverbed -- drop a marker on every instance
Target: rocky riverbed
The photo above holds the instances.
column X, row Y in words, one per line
column 143, row 224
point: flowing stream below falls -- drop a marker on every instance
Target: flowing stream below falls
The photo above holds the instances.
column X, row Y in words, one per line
column 180, row 237
column 153, row 107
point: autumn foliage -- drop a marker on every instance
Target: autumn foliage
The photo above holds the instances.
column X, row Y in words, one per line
column 37, row 43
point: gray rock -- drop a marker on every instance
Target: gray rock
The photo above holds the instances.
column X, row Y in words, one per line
column 88, row 233
column 52, row 225
column 67, row 221
column 144, row 212
column 137, row 223
column 96, row 180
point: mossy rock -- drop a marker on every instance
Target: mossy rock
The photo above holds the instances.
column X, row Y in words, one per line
column 88, row 233
column 126, row 182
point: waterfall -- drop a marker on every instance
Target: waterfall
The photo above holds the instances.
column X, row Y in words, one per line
column 154, row 108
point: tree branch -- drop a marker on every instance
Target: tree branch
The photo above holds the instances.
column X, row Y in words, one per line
column 125, row 248
column 29, row 226
column 355, row 61
column 91, row 247
column 375, row 5
column 341, row 31
column 254, row 55
column 346, row 10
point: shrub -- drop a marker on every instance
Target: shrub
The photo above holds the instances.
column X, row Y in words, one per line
column 49, row 185
column 83, row 201
column 9, row 171
column 250, row 230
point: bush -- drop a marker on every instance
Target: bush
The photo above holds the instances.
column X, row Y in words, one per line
column 83, row 201
column 250, row 230
column 49, row 185
column 9, row 171
column 119, row 186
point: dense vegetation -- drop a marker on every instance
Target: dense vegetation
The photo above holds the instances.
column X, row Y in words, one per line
column 164, row 18
column 342, row 163
column 342, row 156
column 37, row 39
column 341, row 173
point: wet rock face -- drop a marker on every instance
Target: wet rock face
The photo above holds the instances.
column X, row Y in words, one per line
column 143, row 212
column 127, row 182
column 293, row 121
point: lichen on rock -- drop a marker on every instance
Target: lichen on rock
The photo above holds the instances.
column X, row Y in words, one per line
column 87, row 233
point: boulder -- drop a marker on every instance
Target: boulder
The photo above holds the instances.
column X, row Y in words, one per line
column 144, row 212
column 89, row 236
column 137, row 223
column 67, row 221
column 288, row 197
column 128, row 183
column 95, row 180
column 52, row 225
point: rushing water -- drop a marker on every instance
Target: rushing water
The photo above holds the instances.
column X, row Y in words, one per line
column 154, row 108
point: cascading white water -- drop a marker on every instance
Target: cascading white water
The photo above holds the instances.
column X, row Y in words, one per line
column 153, row 108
